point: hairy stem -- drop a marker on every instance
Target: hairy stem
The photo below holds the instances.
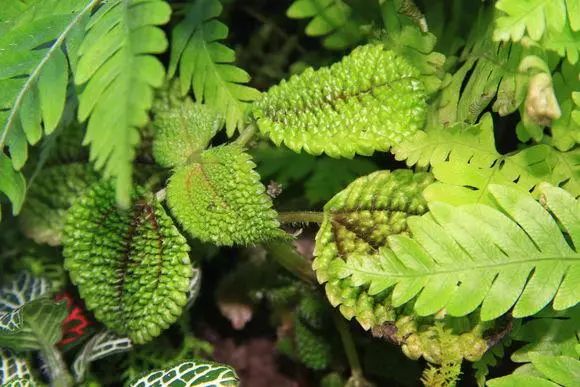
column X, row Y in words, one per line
column 349, row 347
column 57, row 369
column 287, row 257
column 246, row 135
column 301, row 217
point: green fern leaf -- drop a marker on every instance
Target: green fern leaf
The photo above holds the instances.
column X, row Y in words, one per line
column 206, row 66
column 465, row 163
column 33, row 80
column 220, row 199
column 101, row 345
column 553, row 371
column 481, row 257
column 13, row 368
column 533, row 16
column 197, row 373
column 358, row 220
column 183, row 131
column 48, row 199
column 117, row 75
column 331, row 19
column 132, row 266
column 548, row 333
column 369, row 101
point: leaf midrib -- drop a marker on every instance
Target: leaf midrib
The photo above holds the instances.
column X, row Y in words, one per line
column 532, row 262
column 36, row 72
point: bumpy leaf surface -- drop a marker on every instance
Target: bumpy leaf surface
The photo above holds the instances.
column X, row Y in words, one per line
column 460, row 258
column 358, row 220
column 183, row 130
column 132, row 266
column 369, row 101
column 198, row 373
column 48, row 199
column 220, row 199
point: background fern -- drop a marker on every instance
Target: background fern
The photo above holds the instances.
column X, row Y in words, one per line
column 117, row 75
column 205, row 64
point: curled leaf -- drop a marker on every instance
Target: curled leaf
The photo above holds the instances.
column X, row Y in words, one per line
column 358, row 220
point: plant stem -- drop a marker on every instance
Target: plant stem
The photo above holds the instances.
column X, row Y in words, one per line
column 301, row 217
column 349, row 347
column 287, row 257
column 246, row 135
column 57, row 369
column 161, row 194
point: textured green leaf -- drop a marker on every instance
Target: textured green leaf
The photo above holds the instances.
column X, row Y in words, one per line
column 331, row 19
column 49, row 198
column 481, row 256
column 206, row 66
column 220, row 199
column 131, row 266
column 197, row 373
column 369, row 101
column 183, row 131
column 358, row 220
column 117, row 75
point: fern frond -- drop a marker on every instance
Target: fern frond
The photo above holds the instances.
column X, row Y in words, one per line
column 465, row 163
column 549, row 332
column 221, row 200
column 117, row 75
column 481, row 256
column 331, row 19
column 34, row 78
column 197, row 373
column 548, row 371
column 369, row 101
column 205, row 64
column 359, row 220
column 132, row 266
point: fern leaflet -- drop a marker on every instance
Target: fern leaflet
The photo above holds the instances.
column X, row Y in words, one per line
column 205, row 64
column 117, row 75
column 33, row 78
column 331, row 19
